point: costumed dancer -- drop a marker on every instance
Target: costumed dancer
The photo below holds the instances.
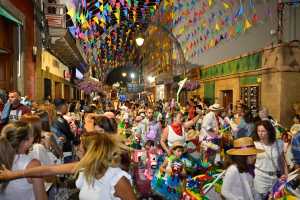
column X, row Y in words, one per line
column 176, row 132
column 169, row 182
column 210, row 130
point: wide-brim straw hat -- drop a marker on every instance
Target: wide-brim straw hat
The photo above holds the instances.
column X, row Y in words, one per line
column 244, row 147
column 215, row 107
column 177, row 144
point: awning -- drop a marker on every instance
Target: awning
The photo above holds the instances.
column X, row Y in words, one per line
column 9, row 16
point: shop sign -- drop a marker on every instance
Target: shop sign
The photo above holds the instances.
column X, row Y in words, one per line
column 135, row 88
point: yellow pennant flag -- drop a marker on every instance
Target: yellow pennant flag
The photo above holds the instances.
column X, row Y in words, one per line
column 101, row 8
column 212, row 43
column 85, row 25
column 117, row 14
column 96, row 20
column 102, row 20
column 209, row 2
column 226, row 5
column 247, row 25
column 82, row 18
column 71, row 12
column 172, row 15
column 181, row 30
column 217, row 27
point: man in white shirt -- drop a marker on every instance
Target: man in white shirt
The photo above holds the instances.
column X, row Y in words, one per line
column 211, row 119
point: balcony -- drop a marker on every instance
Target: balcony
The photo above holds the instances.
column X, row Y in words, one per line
column 62, row 44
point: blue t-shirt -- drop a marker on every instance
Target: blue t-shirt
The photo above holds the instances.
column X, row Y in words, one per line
column 296, row 148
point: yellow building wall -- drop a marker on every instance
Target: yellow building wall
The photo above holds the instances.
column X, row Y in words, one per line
column 51, row 64
column 227, row 84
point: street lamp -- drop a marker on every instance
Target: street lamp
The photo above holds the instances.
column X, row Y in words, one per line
column 151, row 79
column 132, row 75
column 124, row 74
column 139, row 41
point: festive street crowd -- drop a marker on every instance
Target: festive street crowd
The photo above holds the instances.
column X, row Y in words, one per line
column 136, row 149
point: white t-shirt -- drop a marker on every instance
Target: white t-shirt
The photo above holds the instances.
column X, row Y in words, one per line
column 46, row 157
column 40, row 153
column 103, row 188
column 267, row 161
column 20, row 188
column 237, row 186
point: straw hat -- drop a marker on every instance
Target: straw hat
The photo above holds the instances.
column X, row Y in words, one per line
column 177, row 144
column 243, row 147
column 215, row 107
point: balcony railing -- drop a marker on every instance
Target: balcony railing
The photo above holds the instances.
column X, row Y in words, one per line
column 55, row 15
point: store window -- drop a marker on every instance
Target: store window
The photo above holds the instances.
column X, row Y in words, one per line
column 250, row 96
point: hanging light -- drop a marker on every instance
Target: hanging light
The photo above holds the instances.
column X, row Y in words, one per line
column 132, row 75
column 124, row 74
column 139, row 41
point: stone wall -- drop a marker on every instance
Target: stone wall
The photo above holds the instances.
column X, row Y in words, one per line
column 281, row 81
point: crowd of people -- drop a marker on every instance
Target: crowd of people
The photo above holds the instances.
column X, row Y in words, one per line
column 108, row 149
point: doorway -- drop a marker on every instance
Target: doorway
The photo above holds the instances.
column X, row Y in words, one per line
column 58, row 92
column 7, row 77
column 67, row 92
column 227, row 98
column 47, row 88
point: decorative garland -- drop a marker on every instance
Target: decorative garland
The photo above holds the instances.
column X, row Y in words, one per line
column 191, row 85
column 88, row 86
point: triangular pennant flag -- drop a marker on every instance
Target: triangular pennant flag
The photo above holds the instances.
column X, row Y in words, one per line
column 97, row 4
column 82, row 18
column 217, row 27
column 239, row 28
column 71, row 12
column 226, row 5
column 241, row 11
column 96, row 20
column 254, row 18
column 101, row 8
column 247, row 25
column 128, row 3
column 209, row 3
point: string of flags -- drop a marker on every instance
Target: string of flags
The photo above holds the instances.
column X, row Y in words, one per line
column 200, row 25
column 106, row 29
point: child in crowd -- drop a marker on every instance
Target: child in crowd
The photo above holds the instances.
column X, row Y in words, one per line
column 238, row 180
column 169, row 182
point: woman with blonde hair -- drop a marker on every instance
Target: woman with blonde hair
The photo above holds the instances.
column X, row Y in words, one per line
column 15, row 141
column 99, row 174
column 99, row 177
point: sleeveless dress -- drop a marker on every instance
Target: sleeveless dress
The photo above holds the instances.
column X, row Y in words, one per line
column 20, row 188
column 103, row 188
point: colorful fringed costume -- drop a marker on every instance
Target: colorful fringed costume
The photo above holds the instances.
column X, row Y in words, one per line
column 170, row 183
